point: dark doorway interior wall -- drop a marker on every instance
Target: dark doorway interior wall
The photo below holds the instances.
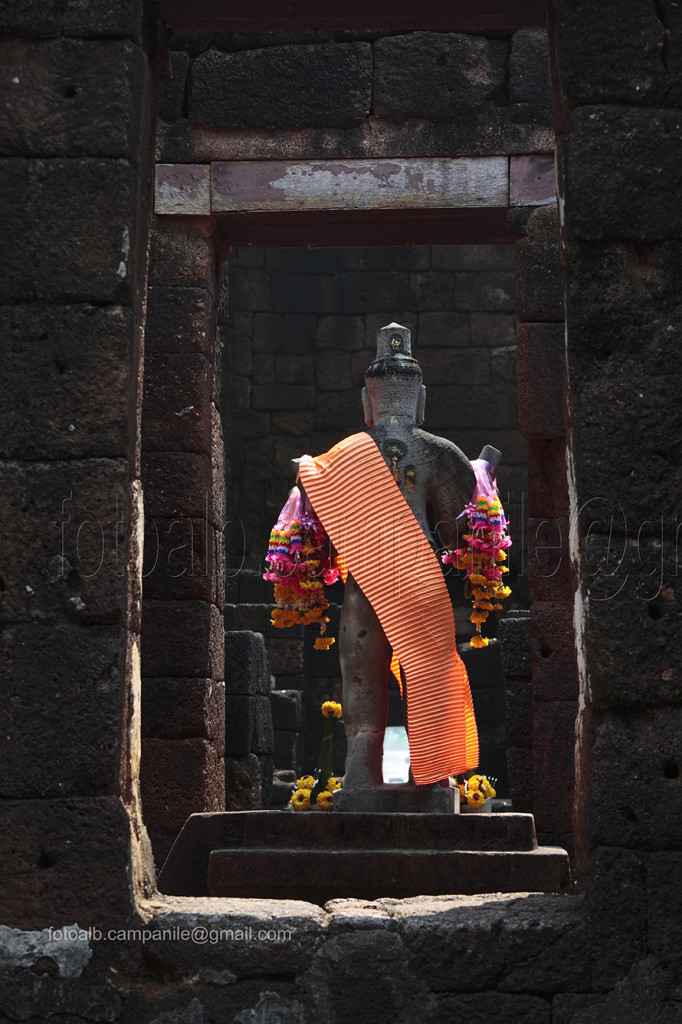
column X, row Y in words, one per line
column 301, row 332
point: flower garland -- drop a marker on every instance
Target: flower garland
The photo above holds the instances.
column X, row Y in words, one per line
column 484, row 550
column 302, row 798
column 475, row 790
column 299, row 567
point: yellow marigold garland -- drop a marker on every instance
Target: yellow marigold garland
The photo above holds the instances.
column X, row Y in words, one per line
column 318, row 790
column 475, row 790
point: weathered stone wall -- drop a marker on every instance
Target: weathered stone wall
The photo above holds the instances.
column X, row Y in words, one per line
column 296, row 668
column 353, row 94
column 544, row 769
column 618, row 124
column 75, row 123
column 609, row 955
column 183, row 672
column 249, row 738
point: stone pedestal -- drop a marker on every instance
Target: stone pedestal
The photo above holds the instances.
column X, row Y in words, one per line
column 397, row 798
column 318, row 856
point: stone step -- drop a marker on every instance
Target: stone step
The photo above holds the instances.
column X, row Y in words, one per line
column 321, row 875
column 435, row 836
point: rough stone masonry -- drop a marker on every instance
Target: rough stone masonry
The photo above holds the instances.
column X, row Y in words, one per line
column 77, row 212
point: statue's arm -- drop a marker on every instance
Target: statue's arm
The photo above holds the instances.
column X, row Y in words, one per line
column 452, row 486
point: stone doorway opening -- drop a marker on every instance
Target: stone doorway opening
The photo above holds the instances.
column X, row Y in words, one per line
column 537, row 310
column 202, row 159
column 300, row 332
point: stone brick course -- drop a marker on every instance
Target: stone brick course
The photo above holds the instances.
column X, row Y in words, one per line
column 627, row 482
column 355, row 94
column 540, row 360
column 553, row 769
column 179, row 555
column 52, row 253
column 305, row 85
column 629, row 819
column 64, row 856
column 529, row 90
column 181, row 259
column 249, row 739
column 33, row 20
column 172, row 90
column 441, row 77
column 179, row 777
column 637, row 198
column 612, row 284
column 183, row 709
column 244, row 786
column 62, row 689
column 553, row 652
column 547, row 480
column 182, row 638
column 68, row 402
column 180, row 321
column 539, row 288
column 69, row 520
column 549, row 565
column 632, row 585
column 638, row 47
column 58, row 100
column 177, row 402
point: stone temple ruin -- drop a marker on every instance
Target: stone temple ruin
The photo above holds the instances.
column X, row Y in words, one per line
column 208, row 213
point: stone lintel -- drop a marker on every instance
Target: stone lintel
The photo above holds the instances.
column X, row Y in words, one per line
column 299, row 186
column 182, row 189
column 358, row 184
column 532, row 180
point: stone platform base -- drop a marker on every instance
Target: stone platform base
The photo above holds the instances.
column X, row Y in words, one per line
column 317, row 856
column 396, row 798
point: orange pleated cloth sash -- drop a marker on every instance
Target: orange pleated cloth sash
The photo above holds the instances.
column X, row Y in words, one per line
column 382, row 544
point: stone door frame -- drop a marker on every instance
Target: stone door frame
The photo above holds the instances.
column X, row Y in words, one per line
column 287, row 203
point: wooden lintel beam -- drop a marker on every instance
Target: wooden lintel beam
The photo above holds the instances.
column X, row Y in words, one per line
column 358, row 202
column 359, row 184
column 278, row 186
